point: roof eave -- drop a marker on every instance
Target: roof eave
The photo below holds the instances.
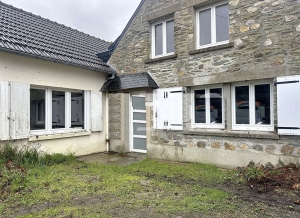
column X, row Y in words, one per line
column 57, row 61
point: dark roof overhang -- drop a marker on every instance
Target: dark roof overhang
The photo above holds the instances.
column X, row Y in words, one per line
column 130, row 81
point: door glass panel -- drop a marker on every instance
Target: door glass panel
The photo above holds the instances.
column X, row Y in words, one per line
column 138, row 103
column 262, row 104
column 139, row 144
column 222, row 23
column 158, row 39
column 200, row 110
column 77, row 110
column 215, row 105
column 205, row 27
column 242, row 105
column 139, row 128
column 139, row 116
column 37, row 109
column 58, row 109
column 170, row 36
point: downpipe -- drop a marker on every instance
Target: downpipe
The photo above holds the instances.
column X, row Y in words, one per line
column 107, row 122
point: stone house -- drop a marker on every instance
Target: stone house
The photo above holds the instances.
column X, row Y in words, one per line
column 228, row 78
column 50, row 80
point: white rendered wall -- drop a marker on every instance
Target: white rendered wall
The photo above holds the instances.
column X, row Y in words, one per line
column 34, row 71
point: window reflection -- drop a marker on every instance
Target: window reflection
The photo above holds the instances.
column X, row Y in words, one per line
column 77, row 110
column 158, row 39
column 216, row 105
column 37, row 109
column 58, row 109
column 262, row 104
column 242, row 114
column 200, row 110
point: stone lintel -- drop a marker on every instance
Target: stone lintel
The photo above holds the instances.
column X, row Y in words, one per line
column 161, row 58
column 151, row 17
column 213, row 48
column 245, row 74
column 200, row 3
column 236, row 134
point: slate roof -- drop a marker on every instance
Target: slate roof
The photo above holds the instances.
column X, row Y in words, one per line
column 28, row 34
column 130, row 81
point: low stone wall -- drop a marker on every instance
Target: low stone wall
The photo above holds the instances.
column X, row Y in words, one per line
column 243, row 150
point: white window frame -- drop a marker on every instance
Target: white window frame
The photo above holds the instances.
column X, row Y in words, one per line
column 48, row 112
column 252, row 125
column 164, row 30
column 207, row 108
column 213, row 26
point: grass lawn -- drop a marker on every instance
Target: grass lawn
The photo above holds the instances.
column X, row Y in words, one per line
column 148, row 188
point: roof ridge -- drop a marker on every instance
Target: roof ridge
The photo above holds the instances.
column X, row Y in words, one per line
column 48, row 20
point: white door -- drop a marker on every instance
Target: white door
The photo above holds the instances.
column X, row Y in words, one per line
column 138, row 124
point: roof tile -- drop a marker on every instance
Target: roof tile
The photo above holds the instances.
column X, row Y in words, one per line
column 30, row 34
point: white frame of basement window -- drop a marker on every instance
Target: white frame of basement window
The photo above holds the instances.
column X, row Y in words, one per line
column 164, row 31
column 207, row 107
column 252, row 125
column 213, row 26
column 48, row 112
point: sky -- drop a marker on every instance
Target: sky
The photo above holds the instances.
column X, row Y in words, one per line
column 104, row 19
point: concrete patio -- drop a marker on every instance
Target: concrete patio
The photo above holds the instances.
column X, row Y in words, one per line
column 113, row 158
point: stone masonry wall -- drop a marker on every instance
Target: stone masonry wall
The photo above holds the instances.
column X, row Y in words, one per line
column 265, row 41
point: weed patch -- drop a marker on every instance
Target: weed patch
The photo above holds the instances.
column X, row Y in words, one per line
column 267, row 178
column 16, row 163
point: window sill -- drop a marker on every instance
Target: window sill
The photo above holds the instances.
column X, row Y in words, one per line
column 236, row 134
column 213, row 48
column 160, row 58
column 58, row 136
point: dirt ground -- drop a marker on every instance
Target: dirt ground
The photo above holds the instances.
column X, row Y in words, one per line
column 248, row 202
column 247, row 199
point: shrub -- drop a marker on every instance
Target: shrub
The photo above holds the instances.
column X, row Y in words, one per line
column 30, row 156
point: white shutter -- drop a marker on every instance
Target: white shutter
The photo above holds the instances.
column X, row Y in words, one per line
column 19, row 111
column 174, row 108
column 288, row 104
column 4, row 110
column 96, row 110
column 167, row 110
column 159, row 109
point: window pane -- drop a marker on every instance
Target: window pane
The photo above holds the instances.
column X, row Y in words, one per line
column 139, row 143
column 262, row 104
column 138, row 103
column 170, row 36
column 77, row 110
column 205, row 27
column 37, row 109
column 139, row 128
column 58, row 109
column 216, row 105
column 200, row 114
column 139, row 116
column 158, row 39
column 222, row 23
column 242, row 104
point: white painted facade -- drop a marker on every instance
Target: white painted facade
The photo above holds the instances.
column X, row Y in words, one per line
column 32, row 72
